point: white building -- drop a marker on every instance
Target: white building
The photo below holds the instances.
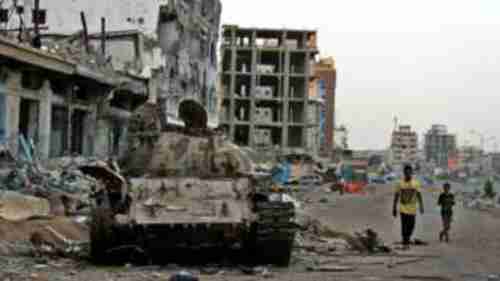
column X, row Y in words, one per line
column 404, row 146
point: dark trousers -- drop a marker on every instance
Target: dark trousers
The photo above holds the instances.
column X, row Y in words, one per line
column 447, row 218
column 407, row 227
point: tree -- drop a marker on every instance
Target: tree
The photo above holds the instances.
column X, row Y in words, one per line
column 489, row 191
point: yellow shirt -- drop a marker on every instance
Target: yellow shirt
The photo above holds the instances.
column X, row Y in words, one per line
column 408, row 196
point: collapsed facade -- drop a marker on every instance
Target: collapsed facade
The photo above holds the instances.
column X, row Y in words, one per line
column 57, row 104
column 164, row 52
column 179, row 36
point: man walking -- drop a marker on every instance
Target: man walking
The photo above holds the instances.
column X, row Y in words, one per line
column 446, row 201
column 407, row 195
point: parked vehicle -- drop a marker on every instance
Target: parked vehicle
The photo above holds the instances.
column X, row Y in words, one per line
column 311, row 180
column 377, row 180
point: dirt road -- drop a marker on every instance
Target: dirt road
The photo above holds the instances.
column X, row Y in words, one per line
column 473, row 254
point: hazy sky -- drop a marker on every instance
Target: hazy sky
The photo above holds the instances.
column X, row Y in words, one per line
column 425, row 61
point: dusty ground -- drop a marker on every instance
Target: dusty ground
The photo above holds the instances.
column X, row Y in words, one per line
column 474, row 253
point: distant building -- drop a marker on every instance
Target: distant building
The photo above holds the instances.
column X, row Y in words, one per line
column 469, row 154
column 495, row 162
column 404, row 146
column 341, row 138
column 323, row 87
column 315, row 130
column 440, row 146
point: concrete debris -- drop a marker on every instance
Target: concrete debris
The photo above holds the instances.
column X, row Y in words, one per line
column 27, row 178
column 15, row 206
column 258, row 270
column 318, row 237
column 474, row 200
column 426, row 277
column 332, row 269
column 405, row 262
column 48, row 241
column 371, row 242
column 493, row 277
column 323, row 200
column 183, row 276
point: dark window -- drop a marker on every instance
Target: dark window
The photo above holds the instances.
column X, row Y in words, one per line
column 3, row 109
column 31, row 80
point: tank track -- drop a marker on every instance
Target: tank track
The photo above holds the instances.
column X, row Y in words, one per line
column 274, row 232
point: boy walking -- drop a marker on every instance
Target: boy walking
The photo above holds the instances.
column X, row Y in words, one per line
column 407, row 195
column 446, row 201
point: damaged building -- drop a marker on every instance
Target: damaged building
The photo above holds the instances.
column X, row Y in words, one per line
column 178, row 37
column 54, row 106
column 266, row 75
column 163, row 52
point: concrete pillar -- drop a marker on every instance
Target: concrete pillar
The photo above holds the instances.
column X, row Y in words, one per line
column 286, row 93
column 3, row 112
column 306, row 95
column 253, row 85
column 12, row 102
column 45, row 121
column 232, row 88
column 13, row 107
column 102, row 143
column 89, row 132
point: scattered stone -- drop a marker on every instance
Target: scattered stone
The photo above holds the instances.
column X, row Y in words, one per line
column 332, row 269
column 157, row 275
column 323, row 200
column 209, row 270
column 183, row 276
column 40, row 266
column 493, row 277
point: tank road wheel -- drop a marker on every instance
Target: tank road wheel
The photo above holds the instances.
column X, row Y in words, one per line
column 100, row 234
column 275, row 232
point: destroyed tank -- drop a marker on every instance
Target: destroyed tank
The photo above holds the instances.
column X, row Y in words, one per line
column 190, row 196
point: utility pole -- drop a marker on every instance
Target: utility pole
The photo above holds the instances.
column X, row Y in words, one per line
column 103, row 36
column 37, row 41
column 85, row 32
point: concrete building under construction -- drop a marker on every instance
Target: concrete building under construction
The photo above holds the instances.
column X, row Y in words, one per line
column 404, row 146
column 440, row 146
column 265, row 78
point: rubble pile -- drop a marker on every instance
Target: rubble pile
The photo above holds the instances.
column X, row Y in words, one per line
column 475, row 200
column 320, row 238
column 41, row 208
column 62, row 179
column 29, row 179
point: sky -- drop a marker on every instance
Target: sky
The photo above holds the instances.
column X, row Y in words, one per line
column 425, row 62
